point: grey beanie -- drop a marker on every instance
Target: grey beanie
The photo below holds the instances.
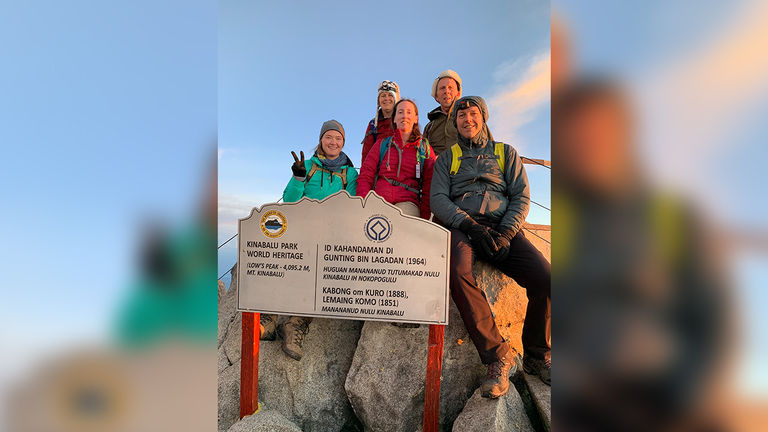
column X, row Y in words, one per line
column 332, row 125
column 446, row 74
column 465, row 103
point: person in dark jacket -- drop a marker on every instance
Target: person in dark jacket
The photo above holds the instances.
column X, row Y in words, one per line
column 380, row 126
column 440, row 131
column 480, row 192
column 327, row 172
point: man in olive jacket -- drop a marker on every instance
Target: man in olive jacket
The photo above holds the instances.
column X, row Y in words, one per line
column 480, row 192
column 440, row 131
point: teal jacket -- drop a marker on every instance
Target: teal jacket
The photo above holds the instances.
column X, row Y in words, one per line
column 321, row 183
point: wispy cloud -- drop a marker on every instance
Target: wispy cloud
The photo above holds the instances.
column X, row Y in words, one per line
column 697, row 104
column 523, row 88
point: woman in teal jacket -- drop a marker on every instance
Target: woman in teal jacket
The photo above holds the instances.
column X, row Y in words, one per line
column 327, row 172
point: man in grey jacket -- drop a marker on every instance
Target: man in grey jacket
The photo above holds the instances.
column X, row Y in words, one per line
column 480, row 192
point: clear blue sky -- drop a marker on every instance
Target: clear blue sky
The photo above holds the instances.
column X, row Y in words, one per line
column 284, row 68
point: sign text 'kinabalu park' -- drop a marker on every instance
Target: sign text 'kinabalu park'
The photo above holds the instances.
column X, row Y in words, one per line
column 343, row 257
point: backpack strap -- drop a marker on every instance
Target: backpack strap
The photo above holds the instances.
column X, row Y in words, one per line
column 340, row 174
column 456, row 158
column 382, row 151
column 499, row 151
column 311, row 172
column 422, row 153
column 343, row 176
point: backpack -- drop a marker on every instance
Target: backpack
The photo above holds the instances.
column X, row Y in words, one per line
column 340, row 174
column 423, row 152
column 373, row 130
column 456, row 153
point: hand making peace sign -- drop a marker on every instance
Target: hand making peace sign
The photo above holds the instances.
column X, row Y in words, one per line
column 298, row 167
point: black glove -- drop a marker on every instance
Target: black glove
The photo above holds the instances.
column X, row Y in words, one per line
column 502, row 246
column 503, row 238
column 480, row 236
column 298, row 167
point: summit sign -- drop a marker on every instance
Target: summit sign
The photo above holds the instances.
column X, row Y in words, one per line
column 343, row 257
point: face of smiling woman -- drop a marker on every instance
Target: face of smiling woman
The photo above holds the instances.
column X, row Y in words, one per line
column 386, row 102
column 332, row 142
column 406, row 117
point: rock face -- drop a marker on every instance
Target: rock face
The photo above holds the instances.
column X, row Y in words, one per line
column 229, row 396
column 505, row 414
column 541, row 394
column 310, row 392
column 385, row 383
column 264, row 421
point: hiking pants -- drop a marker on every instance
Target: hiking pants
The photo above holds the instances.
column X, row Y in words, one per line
column 528, row 267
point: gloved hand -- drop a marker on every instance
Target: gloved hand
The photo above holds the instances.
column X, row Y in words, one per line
column 480, row 236
column 502, row 246
column 503, row 238
column 298, row 167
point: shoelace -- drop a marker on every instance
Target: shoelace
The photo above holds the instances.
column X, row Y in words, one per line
column 494, row 369
column 298, row 336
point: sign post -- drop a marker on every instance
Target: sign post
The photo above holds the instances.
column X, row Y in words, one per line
column 432, row 385
column 343, row 257
column 249, row 365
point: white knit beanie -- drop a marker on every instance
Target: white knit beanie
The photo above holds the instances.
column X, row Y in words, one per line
column 390, row 87
column 446, row 74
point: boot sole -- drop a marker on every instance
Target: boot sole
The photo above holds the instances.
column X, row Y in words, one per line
column 488, row 395
column 292, row 355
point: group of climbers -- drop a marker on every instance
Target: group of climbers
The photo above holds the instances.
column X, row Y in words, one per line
column 455, row 173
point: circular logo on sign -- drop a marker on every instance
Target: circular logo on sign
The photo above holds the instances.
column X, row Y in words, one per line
column 273, row 224
column 378, row 228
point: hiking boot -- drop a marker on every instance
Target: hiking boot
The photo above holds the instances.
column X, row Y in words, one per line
column 497, row 381
column 294, row 331
column 406, row 325
column 267, row 327
column 539, row 367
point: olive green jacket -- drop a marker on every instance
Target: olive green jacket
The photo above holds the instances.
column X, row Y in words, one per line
column 440, row 131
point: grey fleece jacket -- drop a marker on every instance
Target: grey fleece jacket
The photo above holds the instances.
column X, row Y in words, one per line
column 479, row 189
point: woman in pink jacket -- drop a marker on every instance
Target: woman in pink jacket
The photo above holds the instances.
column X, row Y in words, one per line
column 400, row 168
